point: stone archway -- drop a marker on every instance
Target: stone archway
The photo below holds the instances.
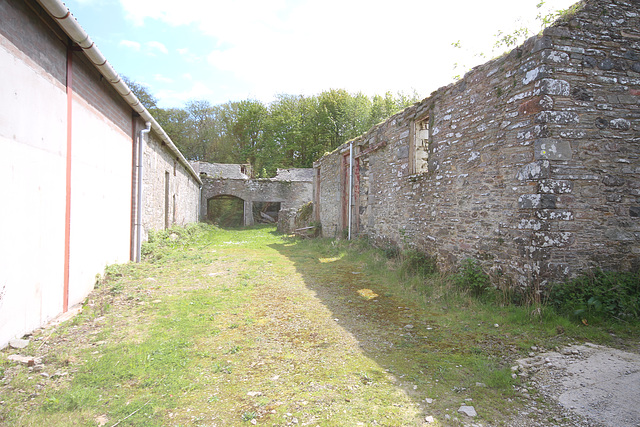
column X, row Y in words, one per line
column 226, row 210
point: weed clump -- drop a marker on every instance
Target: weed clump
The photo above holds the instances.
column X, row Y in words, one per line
column 470, row 277
column 599, row 295
column 390, row 250
column 416, row 263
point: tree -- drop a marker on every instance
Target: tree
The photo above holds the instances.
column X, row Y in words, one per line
column 292, row 131
column 175, row 122
column 243, row 126
column 204, row 130
column 141, row 92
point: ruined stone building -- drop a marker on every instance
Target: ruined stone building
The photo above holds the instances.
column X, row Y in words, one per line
column 290, row 189
column 70, row 135
column 530, row 163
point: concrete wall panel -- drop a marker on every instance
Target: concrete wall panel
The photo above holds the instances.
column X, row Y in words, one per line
column 32, row 172
column 100, row 197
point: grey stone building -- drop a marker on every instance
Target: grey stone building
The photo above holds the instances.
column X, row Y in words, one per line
column 290, row 189
column 530, row 163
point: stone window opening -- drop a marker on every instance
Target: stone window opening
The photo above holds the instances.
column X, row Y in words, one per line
column 175, row 211
column 420, row 147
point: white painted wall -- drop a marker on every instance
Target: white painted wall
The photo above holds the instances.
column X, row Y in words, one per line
column 100, row 198
column 33, row 130
column 32, row 173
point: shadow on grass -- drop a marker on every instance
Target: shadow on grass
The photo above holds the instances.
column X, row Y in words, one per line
column 430, row 353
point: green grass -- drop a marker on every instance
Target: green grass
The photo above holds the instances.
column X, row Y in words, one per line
column 236, row 326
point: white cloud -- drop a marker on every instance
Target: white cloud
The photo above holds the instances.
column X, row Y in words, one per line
column 306, row 46
column 171, row 98
column 162, row 79
column 187, row 55
column 135, row 46
column 154, row 47
column 222, row 19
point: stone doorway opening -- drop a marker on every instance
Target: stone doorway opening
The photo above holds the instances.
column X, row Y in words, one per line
column 266, row 212
column 226, row 211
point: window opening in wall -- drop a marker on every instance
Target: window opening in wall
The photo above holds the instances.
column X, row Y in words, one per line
column 174, row 209
column 421, row 146
column 175, row 167
column 226, row 211
column 166, row 200
column 266, row 212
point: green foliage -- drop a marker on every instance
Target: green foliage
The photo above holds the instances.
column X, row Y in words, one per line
column 248, row 416
column 500, row 379
column 390, row 250
column 291, row 131
column 416, row 263
column 160, row 243
column 141, row 92
column 599, row 295
column 182, row 338
column 470, row 277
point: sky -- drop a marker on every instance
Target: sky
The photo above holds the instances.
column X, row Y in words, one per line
column 234, row 50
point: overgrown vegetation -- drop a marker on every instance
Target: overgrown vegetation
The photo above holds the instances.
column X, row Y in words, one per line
column 304, row 212
column 599, row 296
column 416, row 263
column 470, row 277
column 239, row 326
column 594, row 297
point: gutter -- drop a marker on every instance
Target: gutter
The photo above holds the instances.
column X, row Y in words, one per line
column 68, row 23
column 139, row 192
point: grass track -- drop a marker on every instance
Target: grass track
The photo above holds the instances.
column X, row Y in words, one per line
column 240, row 327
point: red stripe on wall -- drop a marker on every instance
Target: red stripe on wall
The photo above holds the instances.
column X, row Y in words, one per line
column 134, row 174
column 67, row 216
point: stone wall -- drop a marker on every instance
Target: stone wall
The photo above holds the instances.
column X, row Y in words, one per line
column 170, row 193
column 222, row 170
column 529, row 163
column 292, row 188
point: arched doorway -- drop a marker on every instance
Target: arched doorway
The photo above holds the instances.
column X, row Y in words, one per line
column 226, row 211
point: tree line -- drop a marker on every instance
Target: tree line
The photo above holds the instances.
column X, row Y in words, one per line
column 291, row 131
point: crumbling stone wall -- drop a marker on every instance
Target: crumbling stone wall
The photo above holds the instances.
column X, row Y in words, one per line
column 292, row 188
column 533, row 158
